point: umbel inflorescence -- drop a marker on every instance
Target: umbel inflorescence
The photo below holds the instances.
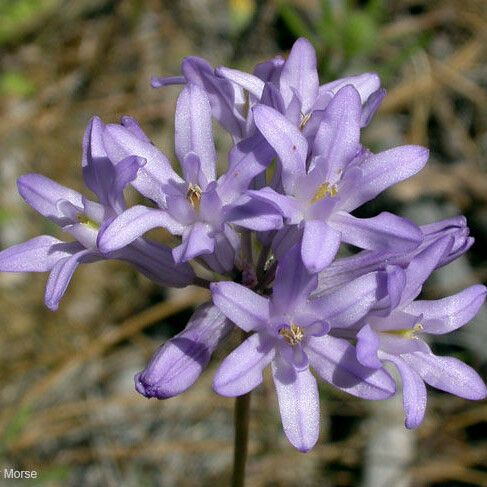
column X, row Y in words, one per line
column 267, row 233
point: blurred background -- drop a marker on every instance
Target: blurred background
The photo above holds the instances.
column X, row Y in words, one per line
column 67, row 404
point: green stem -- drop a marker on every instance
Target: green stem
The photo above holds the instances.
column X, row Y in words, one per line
column 242, row 409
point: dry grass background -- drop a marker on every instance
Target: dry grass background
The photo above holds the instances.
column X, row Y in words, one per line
column 67, row 403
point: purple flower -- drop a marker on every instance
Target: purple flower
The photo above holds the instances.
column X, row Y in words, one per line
column 180, row 361
column 343, row 270
column 84, row 219
column 292, row 85
column 393, row 328
column 291, row 334
column 319, row 191
column 199, row 208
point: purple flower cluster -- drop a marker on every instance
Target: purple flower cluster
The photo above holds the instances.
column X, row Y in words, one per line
column 264, row 238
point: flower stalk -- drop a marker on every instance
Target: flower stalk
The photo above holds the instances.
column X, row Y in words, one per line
column 242, row 415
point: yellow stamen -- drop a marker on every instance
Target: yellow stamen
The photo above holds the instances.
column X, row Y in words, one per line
column 88, row 221
column 410, row 333
column 324, row 190
column 194, row 196
column 304, row 120
column 292, row 334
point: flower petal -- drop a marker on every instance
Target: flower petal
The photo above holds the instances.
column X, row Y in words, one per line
column 384, row 231
column 414, row 395
column 193, row 131
column 447, row 314
column 42, row 194
column 344, row 306
column 180, row 361
column 366, row 84
column 367, row 346
column 133, row 223
column 299, row 72
column 157, row 175
column 133, row 126
column 299, row 404
column 219, row 91
column 246, row 309
column 380, row 171
column 422, row 265
column 287, row 206
column 61, row 274
column 247, row 159
column 371, row 106
column 335, row 361
column 241, row 371
column 196, row 241
column 286, row 140
column 292, row 284
column 338, row 138
column 254, row 214
column 249, row 82
column 97, row 168
column 38, row 254
column 156, row 262
column 320, row 245
column 447, row 374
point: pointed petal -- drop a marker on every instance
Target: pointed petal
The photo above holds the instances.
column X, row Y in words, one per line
column 447, row 314
column 156, row 262
column 292, row 284
column 196, row 241
column 338, row 138
column 380, row 171
column 367, row 346
column 396, row 281
column 133, row 223
column 42, row 194
column 133, row 126
column 191, row 166
column 287, row 206
column 384, row 231
column 320, row 245
column 124, row 173
column 226, row 247
column 180, row 361
column 249, row 82
column 160, row 81
column 98, row 170
column 247, row 159
column 39, row 254
column 241, row 371
column 344, row 306
column 219, row 91
column 421, row 267
column 270, row 71
column 335, row 361
column 272, row 97
column 398, row 345
column 156, row 176
column 366, row 84
column 447, row 374
column 254, row 214
column 284, row 239
column 246, row 309
column 371, row 106
column 61, row 274
column 286, row 140
column 299, row 72
column 193, row 130
column 414, row 395
column 299, row 404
